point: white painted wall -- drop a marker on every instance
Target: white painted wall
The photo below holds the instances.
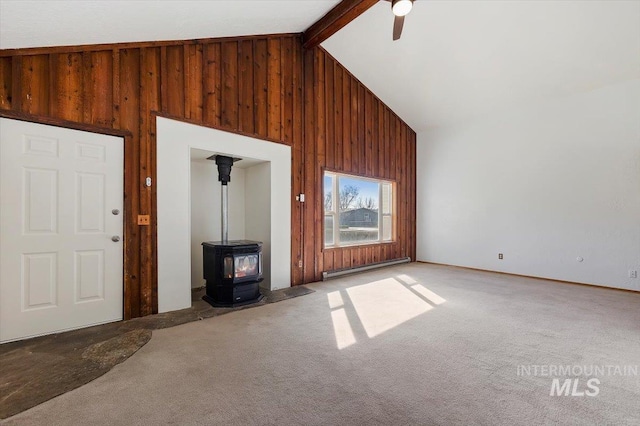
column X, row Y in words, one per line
column 175, row 140
column 257, row 217
column 206, row 212
column 544, row 184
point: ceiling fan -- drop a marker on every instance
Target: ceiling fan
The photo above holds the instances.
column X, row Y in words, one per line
column 400, row 9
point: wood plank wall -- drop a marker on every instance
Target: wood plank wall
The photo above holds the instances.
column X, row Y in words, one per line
column 348, row 129
column 267, row 87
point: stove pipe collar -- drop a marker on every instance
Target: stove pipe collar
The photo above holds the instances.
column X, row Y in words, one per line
column 224, row 164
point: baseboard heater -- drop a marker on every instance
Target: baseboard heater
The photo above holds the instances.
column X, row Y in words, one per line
column 339, row 272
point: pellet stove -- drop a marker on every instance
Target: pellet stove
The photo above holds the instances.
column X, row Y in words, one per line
column 232, row 269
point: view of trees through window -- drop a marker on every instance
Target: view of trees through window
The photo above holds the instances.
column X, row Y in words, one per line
column 357, row 210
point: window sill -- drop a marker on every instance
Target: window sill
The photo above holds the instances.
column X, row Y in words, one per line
column 373, row 243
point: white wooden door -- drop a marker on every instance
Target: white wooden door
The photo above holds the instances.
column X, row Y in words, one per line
column 61, row 229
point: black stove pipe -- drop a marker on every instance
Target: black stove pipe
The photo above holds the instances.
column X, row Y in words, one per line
column 224, row 164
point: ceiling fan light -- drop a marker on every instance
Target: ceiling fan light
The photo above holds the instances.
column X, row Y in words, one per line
column 401, row 7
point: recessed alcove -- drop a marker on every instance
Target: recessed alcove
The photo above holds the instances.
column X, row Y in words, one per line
column 189, row 205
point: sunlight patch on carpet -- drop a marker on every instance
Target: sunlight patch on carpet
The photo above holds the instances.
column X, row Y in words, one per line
column 342, row 329
column 335, row 299
column 385, row 304
column 406, row 279
column 431, row 296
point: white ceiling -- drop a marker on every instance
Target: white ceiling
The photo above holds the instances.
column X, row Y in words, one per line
column 456, row 59
column 202, row 156
column 61, row 23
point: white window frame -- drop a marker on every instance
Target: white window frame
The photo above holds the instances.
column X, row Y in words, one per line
column 335, row 207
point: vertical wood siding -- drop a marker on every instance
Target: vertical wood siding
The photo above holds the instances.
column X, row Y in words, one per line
column 268, row 87
column 348, row 129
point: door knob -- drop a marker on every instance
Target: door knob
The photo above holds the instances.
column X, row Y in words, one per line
column 115, row 238
column 115, row 212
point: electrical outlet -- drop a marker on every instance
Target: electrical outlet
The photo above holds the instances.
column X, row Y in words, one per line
column 633, row 274
column 500, row 256
column 299, row 263
column 143, row 219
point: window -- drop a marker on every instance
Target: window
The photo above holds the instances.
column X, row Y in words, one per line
column 357, row 210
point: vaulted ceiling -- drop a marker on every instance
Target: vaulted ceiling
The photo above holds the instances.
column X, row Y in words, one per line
column 27, row 23
column 456, row 60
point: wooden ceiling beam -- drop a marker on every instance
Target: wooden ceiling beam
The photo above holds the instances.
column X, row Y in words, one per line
column 343, row 13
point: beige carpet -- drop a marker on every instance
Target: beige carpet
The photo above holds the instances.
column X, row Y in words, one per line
column 33, row 371
column 412, row 344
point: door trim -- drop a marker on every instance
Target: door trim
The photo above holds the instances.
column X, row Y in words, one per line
column 131, row 284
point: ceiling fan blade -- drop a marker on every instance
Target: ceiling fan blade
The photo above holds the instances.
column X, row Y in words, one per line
column 397, row 27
